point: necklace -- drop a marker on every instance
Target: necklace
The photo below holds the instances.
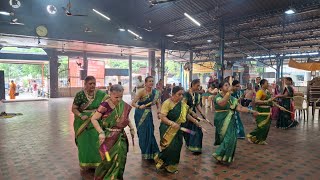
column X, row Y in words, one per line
column 90, row 96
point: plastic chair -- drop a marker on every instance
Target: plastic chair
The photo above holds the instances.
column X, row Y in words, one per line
column 298, row 106
column 315, row 107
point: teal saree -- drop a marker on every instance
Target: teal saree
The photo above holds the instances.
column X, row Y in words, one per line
column 193, row 142
column 145, row 128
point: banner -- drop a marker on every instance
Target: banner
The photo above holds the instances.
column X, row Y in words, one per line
column 97, row 70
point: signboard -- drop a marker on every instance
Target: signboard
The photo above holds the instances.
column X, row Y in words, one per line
column 116, row 72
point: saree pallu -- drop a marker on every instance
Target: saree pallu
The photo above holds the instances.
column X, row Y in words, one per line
column 286, row 120
column 193, row 142
column 145, row 128
column 86, row 137
column 240, row 128
column 260, row 134
column 171, row 139
column 116, row 141
column 226, row 130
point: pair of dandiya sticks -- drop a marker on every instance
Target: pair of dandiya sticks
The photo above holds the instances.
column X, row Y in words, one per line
column 181, row 128
column 103, row 147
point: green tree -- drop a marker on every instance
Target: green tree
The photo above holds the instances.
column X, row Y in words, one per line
column 172, row 68
column 136, row 65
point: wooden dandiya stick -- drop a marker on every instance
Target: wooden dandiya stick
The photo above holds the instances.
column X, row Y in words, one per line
column 205, row 119
column 282, row 108
column 209, row 122
column 266, row 114
column 106, row 152
column 203, row 129
column 148, row 104
column 187, row 131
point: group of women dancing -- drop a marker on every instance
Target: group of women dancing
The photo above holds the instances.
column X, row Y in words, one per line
column 100, row 120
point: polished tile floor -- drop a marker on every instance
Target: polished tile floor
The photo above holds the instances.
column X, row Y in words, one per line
column 40, row 145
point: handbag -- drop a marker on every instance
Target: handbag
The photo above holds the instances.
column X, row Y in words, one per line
column 16, row 94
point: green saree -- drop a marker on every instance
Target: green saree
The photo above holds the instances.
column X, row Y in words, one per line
column 114, row 120
column 226, row 129
column 171, row 139
column 86, row 137
column 259, row 135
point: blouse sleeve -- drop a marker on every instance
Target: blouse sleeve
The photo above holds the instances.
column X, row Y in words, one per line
column 103, row 108
column 165, row 108
column 259, row 94
column 78, row 99
column 217, row 98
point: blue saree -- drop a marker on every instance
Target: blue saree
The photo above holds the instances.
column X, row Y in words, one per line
column 193, row 142
column 145, row 128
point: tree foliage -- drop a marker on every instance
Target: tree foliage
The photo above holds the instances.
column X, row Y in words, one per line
column 17, row 71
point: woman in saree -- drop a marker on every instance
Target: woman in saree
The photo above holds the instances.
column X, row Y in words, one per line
column 263, row 102
column 225, row 123
column 144, row 119
column 286, row 119
column 85, row 103
column 174, row 112
column 239, row 95
column 275, row 111
column 192, row 99
column 114, row 116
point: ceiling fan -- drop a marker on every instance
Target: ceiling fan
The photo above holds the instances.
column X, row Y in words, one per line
column 87, row 30
column 13, row 21
column 149, row 29
column 67, row 10
column 155, row 2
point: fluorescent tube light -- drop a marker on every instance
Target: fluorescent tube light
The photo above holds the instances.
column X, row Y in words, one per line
column 192, row 19
column 135, row 34
column 4, row 13
column 290, row 11
column 101, row 14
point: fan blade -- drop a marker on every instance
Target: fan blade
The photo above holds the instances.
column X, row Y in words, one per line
column 16, row 23
column 78, row 15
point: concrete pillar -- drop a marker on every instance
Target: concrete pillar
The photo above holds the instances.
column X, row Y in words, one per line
column 163, row 51
column 221, row 51
column 53, row 70
column 191, row 67
column 152, row 63
column 85, row 64
column 130, row 73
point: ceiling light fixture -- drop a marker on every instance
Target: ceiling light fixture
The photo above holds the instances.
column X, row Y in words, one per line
column 169, row 35
column 192, row 19
column 290, row 11
column 209, row 40
column 135, row 34
column 101, row 14
column 5, row 13
column 51, row 9
column 121, row 29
